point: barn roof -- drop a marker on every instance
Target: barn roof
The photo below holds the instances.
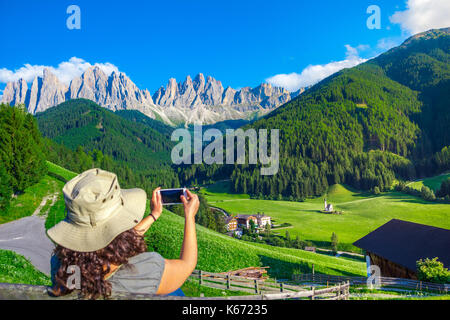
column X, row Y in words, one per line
column 406, row 242
column 245, row 216
column 228, row 219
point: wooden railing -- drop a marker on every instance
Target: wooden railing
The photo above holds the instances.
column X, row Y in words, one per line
column 268, row 290
column 384, row 281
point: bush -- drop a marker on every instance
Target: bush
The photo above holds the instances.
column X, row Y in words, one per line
column 432, row 271
column 427, row 194
column 444, row 190
column 334, row 243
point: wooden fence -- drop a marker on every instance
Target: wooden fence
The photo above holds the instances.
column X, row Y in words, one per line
column 384, row 281
column 269, row 290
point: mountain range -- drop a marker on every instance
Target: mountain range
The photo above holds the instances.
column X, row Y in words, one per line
column 199, row 100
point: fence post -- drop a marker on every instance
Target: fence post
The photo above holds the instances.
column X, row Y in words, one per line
column 339, row 292
column 313, row 292
column 256, row 287
column 281, row 287
column 200, row 277
column 228, row 282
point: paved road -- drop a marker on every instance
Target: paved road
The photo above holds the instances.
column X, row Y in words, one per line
column 27, row 237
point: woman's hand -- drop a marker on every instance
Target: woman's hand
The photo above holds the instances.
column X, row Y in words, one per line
column 156, row 204
column 190, row 204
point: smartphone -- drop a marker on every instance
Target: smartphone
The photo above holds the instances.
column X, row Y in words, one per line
column 172, row 196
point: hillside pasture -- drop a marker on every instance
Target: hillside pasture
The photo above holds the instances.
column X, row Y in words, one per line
column 362, row 212
column 434, row 183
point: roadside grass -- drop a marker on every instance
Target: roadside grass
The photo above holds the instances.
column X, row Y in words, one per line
column 56, row 213
column 62, row 172
column 434, row 183
column 25, row 204
column 362, row 213
column 15, row 268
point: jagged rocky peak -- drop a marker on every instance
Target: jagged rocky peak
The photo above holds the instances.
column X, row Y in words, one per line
column 15, row 92
column 192, row 101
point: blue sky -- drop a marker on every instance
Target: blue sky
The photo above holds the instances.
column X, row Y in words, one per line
column 241, row 43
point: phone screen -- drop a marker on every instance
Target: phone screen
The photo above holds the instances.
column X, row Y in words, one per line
column 171, row 196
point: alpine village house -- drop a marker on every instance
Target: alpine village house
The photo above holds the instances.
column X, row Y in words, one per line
column 242, row 221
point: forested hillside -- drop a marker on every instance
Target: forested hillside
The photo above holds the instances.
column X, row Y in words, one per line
column 365, row 126
column 81, row 135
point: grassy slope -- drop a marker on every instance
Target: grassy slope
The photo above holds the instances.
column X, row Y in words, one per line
column 14, row 268
column 362, row 212
column 66, row 174
column 434, row 183
column 25, row 203
column 219, row 253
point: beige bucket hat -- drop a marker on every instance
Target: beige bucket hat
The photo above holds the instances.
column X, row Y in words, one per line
column 97, row 211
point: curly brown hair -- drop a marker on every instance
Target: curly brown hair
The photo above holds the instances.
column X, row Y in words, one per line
column 94, row 266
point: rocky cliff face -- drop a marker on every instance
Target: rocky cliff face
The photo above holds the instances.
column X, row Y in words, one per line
column 192, row 101
column 210, row 92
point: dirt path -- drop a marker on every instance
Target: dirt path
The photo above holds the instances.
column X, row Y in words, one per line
column 27, row 236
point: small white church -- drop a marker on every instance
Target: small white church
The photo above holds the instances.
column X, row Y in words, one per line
column 328, row 206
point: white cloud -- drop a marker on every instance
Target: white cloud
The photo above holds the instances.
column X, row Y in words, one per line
column 388, row 43
column 422, row 15
column 65, row 71
column 314, row 73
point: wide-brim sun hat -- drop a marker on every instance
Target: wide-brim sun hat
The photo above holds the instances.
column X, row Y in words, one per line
column 98, row 210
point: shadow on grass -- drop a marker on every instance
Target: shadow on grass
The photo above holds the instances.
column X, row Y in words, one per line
column 403, row 197
column 283, row 269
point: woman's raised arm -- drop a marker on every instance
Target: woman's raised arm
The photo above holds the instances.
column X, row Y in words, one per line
column 156, row 210
column 178, row 270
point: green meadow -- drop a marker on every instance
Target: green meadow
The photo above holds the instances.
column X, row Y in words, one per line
column 434, row 183
column 362, row 212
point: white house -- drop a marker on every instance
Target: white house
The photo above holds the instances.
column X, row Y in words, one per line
column 263, row 220
column 328, row 206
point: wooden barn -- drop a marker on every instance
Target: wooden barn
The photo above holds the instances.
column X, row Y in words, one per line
column 397, row 245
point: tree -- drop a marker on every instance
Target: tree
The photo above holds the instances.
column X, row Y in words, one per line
column 432, row 270
column 288, row 238
column 21, row 147
column 5, row 189
column 427, row 194
column 444, row 190
column 252, row 226
column 334, row 243
column 376, row 190
column 267, row 229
